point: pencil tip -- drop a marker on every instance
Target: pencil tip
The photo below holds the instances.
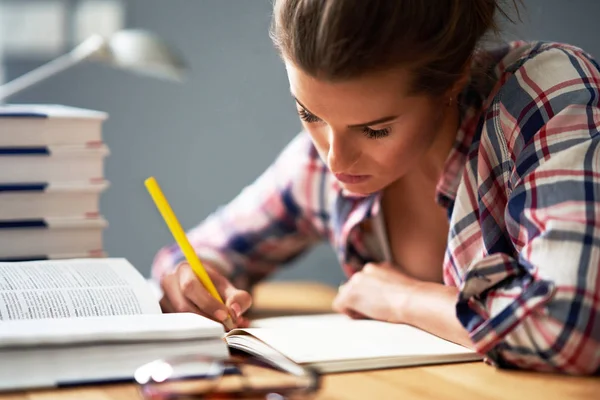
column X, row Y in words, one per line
column 228, row 323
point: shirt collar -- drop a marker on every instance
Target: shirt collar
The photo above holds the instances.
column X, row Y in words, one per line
column 447, row 185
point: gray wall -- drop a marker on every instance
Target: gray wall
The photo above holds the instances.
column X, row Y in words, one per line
column 208, row 138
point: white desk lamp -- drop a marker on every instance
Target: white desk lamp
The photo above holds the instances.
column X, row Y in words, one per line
column 135, row 50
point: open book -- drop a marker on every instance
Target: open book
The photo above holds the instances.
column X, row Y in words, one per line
column 96, row 320
column 89, row 320
column 336, row 343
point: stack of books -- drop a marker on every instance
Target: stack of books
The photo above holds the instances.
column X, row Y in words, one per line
column 51, row 179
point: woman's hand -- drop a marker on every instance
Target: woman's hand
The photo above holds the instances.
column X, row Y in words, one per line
column 183, row 292
column 378, row 291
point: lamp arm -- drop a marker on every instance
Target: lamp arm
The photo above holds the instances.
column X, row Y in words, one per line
column 92, row 46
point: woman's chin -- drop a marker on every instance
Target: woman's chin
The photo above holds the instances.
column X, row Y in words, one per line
column 359, row 190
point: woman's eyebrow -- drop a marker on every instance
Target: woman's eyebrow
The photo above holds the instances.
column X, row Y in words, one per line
column 374, row 122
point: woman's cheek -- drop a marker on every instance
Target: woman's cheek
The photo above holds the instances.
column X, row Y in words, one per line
column 319, row 139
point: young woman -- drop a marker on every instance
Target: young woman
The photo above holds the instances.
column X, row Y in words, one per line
column 459, row 187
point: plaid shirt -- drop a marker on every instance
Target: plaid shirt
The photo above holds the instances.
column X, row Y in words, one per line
column 522, row 189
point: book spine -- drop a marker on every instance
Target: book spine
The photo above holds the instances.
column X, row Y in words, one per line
column 26, row 151
column 23, row 259
column 91, row 221
column 23, row 187
column 20, row 224
column 97, row 148
column 22, row 114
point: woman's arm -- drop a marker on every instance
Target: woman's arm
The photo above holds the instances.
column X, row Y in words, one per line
column 380, row 291
column 432, row 307
column 269, row 223
column 539, row 306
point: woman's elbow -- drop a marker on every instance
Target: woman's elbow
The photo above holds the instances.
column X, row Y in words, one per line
column 545, row 344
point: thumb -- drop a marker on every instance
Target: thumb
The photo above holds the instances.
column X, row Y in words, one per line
column 239, row 301
column 236, row 300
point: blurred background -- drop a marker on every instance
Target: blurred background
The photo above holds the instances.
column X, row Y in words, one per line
column 209, row 137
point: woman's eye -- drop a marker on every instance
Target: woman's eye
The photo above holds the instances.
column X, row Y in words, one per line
column 376, row 133
column 307, row 117
column 368, row 132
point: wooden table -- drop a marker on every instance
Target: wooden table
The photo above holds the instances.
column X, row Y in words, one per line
column 454, row 381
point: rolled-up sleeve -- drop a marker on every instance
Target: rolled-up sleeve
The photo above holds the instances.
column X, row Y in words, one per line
column 539, row 308
column 269, row 223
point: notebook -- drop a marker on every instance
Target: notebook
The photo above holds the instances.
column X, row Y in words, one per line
column 336, row 343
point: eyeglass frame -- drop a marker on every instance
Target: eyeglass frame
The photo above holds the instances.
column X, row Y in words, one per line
column 228, row 366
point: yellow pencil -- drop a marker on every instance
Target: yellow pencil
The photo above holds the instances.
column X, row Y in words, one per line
column 180, row 237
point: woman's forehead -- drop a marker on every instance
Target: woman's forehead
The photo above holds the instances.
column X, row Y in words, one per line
column 393, row 84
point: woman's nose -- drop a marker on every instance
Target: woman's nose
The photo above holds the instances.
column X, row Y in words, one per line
column 341, row 154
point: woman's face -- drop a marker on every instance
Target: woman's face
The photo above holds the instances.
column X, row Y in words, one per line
column 368, row 130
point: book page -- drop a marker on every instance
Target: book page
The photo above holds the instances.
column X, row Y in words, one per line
column 335, row 337
column 73, row 288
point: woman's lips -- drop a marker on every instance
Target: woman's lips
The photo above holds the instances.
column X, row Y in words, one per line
column 352, row 179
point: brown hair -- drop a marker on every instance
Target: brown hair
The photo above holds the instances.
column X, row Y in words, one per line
column 342, row 39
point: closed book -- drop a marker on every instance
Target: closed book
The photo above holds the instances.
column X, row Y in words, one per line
column 24, row 238
column 39, row 125
column 52, row 163
column 28, row 201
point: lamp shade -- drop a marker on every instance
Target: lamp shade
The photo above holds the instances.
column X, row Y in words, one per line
column 142, row 52
column 135, row 50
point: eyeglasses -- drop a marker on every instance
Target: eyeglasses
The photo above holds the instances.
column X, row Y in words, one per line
column 239, row 377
